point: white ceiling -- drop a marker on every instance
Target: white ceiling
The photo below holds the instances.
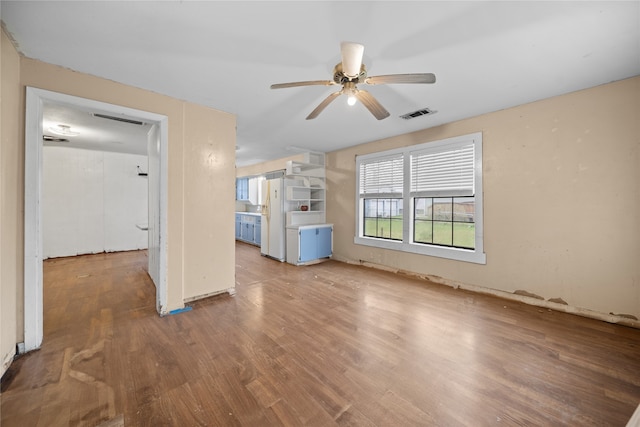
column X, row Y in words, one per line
column 487, row 56
column 97, row 133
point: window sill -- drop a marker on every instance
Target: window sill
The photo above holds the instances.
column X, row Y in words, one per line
column 466, row 255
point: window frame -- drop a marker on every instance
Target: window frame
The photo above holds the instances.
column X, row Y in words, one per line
column 407, row 244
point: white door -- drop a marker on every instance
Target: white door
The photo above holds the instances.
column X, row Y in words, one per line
column 157, row 176
column 153, row 177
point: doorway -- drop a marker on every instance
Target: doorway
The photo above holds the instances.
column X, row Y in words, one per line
column 157, row 146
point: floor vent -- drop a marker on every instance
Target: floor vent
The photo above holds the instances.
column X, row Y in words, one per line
column 119, row 119
column 413, row 115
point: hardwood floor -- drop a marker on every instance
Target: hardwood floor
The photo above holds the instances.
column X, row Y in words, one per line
column 323, row 345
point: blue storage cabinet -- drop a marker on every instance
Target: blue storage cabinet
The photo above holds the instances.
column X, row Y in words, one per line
column 238, row 226
column 248, row 232
column 242, row 189
column 325, row 241
column 248, row 227
column 309, row 243
column 258, row 231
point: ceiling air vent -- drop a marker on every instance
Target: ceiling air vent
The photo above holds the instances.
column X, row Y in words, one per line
column 413, row 115
column 119, row 119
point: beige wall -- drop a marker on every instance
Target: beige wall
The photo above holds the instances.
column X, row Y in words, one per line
column 270, row 166
column 209, row 167
column 201, row 150
column 11, row 155
column 196, row 136
column 50, row 77
column 561, row 200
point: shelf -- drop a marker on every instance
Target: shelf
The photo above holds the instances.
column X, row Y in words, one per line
column 305, row 186
column 305, row 181
column 304, row 218
column 304, row 169
column 295, row 193
column 314, row 158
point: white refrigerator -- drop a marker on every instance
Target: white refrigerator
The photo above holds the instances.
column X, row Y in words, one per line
column 272, row 232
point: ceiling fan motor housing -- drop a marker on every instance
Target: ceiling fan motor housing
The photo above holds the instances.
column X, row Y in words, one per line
column 340, row 78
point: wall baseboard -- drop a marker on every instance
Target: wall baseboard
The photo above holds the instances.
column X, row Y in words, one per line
column 530, row 300
column 6, row 361
column 230, row 291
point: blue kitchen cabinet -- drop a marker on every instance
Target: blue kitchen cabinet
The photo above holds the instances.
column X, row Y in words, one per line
column 238, row 226
column 248, row 232
column 242, row 189
column 324, row 238
column 248, row 227
column 309, row 243
column 258, row 230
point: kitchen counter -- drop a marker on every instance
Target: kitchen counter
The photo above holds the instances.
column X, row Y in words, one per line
column 307, row 226
column 249, row 213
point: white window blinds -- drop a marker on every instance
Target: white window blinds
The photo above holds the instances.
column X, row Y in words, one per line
column 381, row 177
column 446, row 170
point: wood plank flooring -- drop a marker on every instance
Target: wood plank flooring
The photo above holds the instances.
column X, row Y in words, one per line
column 323, row 345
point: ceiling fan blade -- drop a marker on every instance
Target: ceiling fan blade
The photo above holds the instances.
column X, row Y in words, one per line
column 309, row 83
column 401, row 78
column 323, row 105
column 372, row 104
column 351, row 58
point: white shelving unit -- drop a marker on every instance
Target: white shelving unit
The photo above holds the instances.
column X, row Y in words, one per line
column 305, row 187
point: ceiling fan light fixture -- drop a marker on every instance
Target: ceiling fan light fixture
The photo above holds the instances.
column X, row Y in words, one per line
column 350, row 89
column 351, row 58
column 63, row 130
column 351, row 72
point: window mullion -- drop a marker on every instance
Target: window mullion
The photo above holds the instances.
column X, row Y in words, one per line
column 452, row 206
column 407, row 208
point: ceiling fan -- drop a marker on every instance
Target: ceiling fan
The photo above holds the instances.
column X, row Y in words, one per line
column 350, row 72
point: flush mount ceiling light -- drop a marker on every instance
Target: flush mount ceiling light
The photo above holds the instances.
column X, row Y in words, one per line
column 63, row 130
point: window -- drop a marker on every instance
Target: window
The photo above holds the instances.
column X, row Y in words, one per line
column 381, row 187
column 383, row 218
column 425, row 199
column 445, row 221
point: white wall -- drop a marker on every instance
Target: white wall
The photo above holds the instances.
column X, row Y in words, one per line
column 92, row 201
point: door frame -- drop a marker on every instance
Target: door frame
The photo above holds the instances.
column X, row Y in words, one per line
column 33, row 250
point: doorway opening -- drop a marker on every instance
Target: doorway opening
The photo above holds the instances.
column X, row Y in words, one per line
column 157, row 152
